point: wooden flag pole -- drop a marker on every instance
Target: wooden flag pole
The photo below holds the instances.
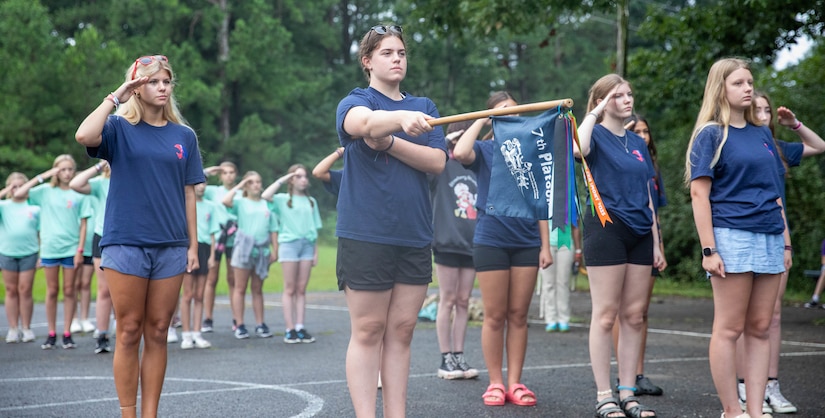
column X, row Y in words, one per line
column 529, row 107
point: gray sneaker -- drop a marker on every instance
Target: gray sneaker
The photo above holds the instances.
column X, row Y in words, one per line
column 461, row 364
column 449, row 369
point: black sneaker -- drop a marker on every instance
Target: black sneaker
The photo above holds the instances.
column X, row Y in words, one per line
column 262, row 331
column 102, row 345
column 51, row 342
column 304, row 336
column 812, row 304
column 68, row 342
column 645, row 387
column 449, row 370
column 241, row 332
column 461, row 364
column 291, row 337
column 207, row 326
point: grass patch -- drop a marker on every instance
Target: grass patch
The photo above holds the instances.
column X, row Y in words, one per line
column 322, row 278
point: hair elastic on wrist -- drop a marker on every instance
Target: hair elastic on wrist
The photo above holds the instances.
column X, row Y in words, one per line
column 798, row 125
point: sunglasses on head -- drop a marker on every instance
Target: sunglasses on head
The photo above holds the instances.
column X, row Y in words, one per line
column 382, row 29
column 148, row 60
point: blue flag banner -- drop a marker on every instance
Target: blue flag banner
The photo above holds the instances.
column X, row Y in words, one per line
column 532, row 170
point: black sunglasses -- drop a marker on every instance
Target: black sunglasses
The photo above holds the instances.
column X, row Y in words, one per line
column 382, row 29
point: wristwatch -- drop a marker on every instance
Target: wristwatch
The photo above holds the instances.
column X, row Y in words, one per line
column 708, row 251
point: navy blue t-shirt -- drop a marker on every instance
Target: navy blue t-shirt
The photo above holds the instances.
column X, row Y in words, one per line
column 334, row 184
column 624, row 177
column 792, row 151
column 151, row 165
column 498, row 231
column 745, row 180
column 382, row 200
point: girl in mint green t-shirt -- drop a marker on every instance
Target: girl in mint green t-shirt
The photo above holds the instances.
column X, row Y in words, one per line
column 252, row 252
column 61, row 240
column 19, row 224
column 298, row 224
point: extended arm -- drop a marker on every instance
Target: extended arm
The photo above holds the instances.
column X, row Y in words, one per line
column 321, row 170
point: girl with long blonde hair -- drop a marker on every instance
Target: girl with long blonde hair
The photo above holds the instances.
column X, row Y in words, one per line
column 732, row 172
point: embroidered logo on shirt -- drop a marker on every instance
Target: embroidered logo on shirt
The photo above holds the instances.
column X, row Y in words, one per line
column 181, row 153
column 768, row 147
column 638, row 155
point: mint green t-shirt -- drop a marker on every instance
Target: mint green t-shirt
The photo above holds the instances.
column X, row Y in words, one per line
column 100, row 190
column 216, row 194
column 254, row 218
column 89, row 213
column 207, row 221
column 60, row 213
column 19, row 223
column 302, row 220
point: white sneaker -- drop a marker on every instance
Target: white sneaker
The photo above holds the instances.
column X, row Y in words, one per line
column 172, row 336
column 96, row 334
column 75, row 328
column 199, row 341
column 778, row 403
column 187, row 342
column 740, row 388
column 13, row 336
column 28, row 336
column 87, row 326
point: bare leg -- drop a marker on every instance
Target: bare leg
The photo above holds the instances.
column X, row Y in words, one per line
column 239, row 294
column 103, row 304
column 448, row 283
column 84, row 287
column 24, row 290
column 199, row 287
column 52, row 289
column 12, row 302
column 368, row 318
column 186, row 303
column 522, row 284
column 69, row 298
column 256, row 289
column 402, row 315
column 161, row 298
column 209, row 289
column 495, row 295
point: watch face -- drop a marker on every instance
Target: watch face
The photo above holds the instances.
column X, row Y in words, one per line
column 707, row 252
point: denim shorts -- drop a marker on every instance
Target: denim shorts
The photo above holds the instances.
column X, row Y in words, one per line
column 145, row 262
column 65, row 262
column 18, row 264
column 745, row 251
column 300, row 249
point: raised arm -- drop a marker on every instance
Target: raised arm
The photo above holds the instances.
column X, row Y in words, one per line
column 587, row 124
column 80, row 182
column 463, row 151
column 321, row 170
column 38, row 179
column 812, row 142
column 229, row 197
column 273, row 188
column 89, row 132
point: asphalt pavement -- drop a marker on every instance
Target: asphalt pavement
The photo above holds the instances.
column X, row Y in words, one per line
column 267, row 378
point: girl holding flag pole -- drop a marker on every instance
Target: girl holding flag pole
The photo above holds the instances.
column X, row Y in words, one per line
column 620, row 239
column 507, row 253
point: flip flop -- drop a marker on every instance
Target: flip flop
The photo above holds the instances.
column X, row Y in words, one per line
column 495, row 395
column 525, row 393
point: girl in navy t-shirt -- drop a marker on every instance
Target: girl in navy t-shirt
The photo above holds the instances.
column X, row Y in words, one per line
column 620, row 247
column 507, row 253
column 150, row 235
column 732, row 170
